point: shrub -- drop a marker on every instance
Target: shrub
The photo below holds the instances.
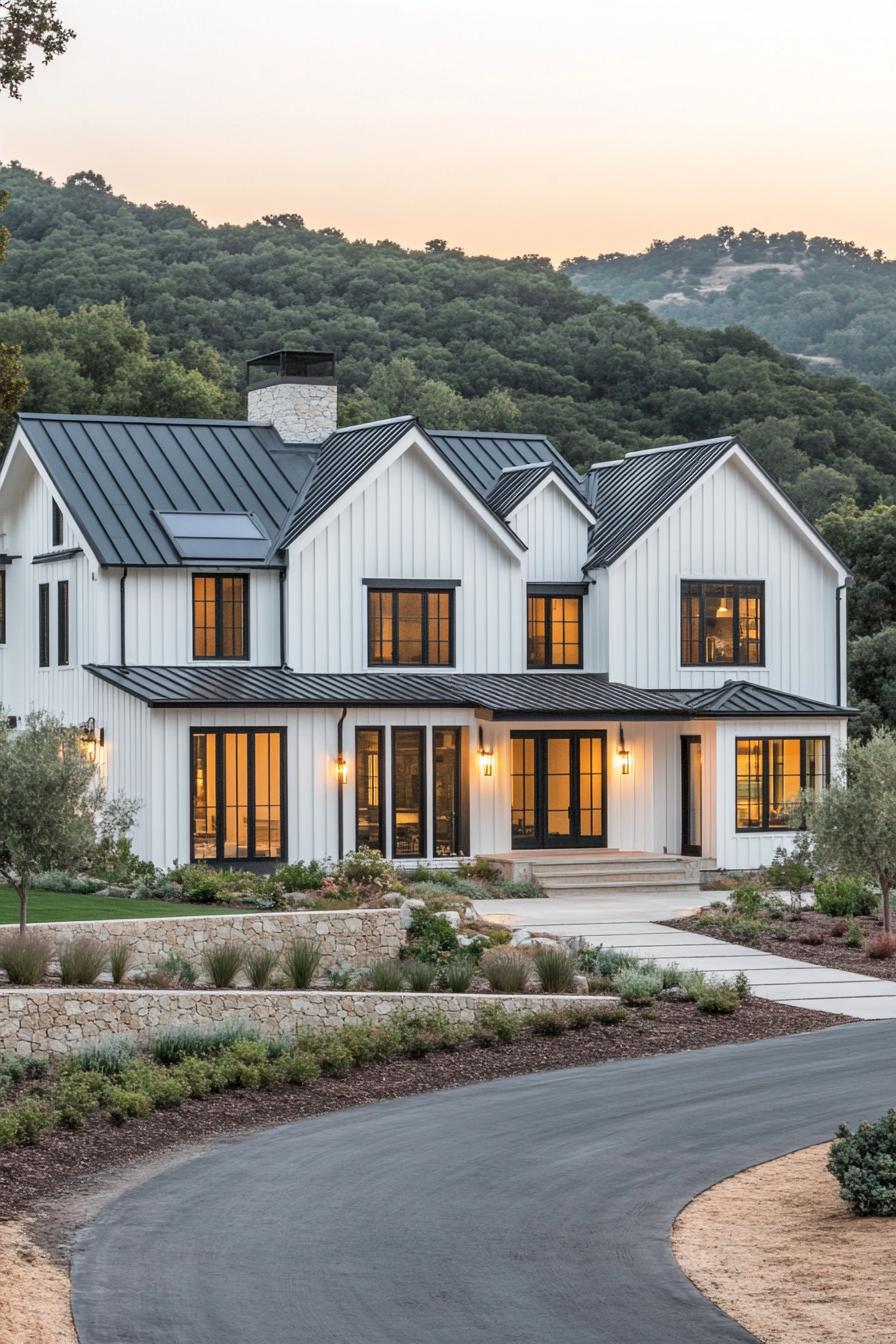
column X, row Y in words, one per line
column 122, row 1104
column 548, row 1022
column 864, row 1164
column 194, row 1075
column 386, row 975
column 672, row 975
column 298, row 1067
column 854, row 937
column 494, row 1024
column 109, row 1055
column 419, row 975
column 555, row 968
column 121, row 957
column 198, row 883
column 718, row 998
column 176, row 1043
column 838, row 928
column 881, row 947
column 222, row 963
column 301, row 876
column 781, row 934
column 742, row 986
column 693, row 983
column 366, row 1041
column 609, row 961
column 518, row 889
column 82, row 961
column 793, row 869
column 746, row 902
column 844, row 896
column 481, row 870
column 78, row 1094
column 25, row 957
column 419, row 1033
column 175, row 972
column 745, row 930
column 457, row 974
column 812, row 938
column 432, row 937
column 25, row 1121
column 637, row 986
column 260, row 964
column 367, row 868
column 507, row 972
column 300, row 961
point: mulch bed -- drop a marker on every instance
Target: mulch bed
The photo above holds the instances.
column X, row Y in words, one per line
column 64, row 1162
column 832, row 952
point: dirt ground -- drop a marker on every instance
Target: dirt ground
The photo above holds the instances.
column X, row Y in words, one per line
column 34, row 1293
column 776, row 1248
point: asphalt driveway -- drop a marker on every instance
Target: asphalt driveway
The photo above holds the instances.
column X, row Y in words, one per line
column 525, row 1210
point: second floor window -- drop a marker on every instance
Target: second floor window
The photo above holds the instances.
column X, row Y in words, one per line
column 56, row 525
column 554, row 630
column 410, row 627
column 220, row 616
column 43, row 625
column 62, row 623
column 722, row 623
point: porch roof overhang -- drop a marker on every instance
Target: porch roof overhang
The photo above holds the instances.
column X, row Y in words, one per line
column 525, row 695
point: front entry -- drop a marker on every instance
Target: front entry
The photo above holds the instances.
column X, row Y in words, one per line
column 558, row 795
column 691, row 795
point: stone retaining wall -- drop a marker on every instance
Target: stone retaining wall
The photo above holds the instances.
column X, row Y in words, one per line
column 42, row 1021
column 353, row 937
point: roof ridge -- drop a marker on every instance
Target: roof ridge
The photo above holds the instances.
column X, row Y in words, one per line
column 371, row 424
column 492, row 434
column 142, row 419
column 679, row 447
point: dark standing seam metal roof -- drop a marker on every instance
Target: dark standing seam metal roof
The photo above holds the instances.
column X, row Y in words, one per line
column 514, row 484
column 630, row 495
column 113, row 472
column 736, row 698
column 505, row 695
column 480, row 457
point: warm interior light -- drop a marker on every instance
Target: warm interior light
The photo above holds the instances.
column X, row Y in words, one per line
column 341, row 765
column 723, row 609
column 623, row 755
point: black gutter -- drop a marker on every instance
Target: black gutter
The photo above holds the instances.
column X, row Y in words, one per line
column 283, row 618
column 847, row 583
column 121, row 625
column 340, row 785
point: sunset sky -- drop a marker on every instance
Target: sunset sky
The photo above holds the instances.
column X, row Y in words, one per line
column 505, row 126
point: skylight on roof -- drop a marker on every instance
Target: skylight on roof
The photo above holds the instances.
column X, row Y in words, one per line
column 219, row 537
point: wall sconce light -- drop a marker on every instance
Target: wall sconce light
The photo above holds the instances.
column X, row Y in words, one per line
column 341, row 768
column 623, row 755
column 486, row 757
column 91, row 737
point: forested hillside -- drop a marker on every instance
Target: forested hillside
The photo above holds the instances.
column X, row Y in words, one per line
column 125, row 308
column 822, row 298
column 461, row 340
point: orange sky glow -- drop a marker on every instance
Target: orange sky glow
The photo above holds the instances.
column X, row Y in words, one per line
column 504, row 126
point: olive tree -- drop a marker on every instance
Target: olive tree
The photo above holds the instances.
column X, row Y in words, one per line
column 854, row 821
column 50, row 799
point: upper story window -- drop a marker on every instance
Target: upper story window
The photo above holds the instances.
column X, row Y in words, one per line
column 62, row 623
column 554, row 629
column 56, row 528
column 43, row 625
column 722, row 623
column 771, row 773
column 220, row 615
column 2, row 606
column 410, row 627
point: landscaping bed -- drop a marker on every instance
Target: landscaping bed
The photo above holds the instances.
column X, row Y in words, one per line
column 832, row 949
column 63, row 1160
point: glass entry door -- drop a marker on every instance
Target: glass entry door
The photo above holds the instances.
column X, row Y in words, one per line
column 691, row 795
column 558, row 789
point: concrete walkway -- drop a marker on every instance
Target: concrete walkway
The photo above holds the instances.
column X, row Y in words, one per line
column 629, row 924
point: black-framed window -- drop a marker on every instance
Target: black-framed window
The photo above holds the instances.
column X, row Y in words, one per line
column 370, row 789
column 56, row 525
column 62, row 623
column 220, row 616
column 410, row 627
column 722, row 623
column 554, row 630
column 43, row 625
column 408, row 793
column 2, row 605
column 448, row 806
column 238, row 794
column 770, row 775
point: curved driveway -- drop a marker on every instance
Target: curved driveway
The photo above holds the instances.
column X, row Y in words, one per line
column 522, row 1211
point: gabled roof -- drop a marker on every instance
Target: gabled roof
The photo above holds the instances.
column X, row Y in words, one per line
column 523, row 695
column 746, row 698
column 116, row 474
column 514, row 484
column 630, row 495
column 481, row 457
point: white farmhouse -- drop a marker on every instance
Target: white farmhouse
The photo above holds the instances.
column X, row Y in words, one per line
column 289, row 640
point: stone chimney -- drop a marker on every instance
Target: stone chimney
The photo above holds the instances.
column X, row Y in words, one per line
column 295, row 391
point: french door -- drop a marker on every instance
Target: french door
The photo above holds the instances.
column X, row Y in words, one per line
column 558, row 790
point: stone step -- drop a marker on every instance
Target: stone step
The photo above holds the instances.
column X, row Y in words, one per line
column 555, row 872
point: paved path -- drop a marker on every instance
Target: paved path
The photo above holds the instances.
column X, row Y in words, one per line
column 528, row 1210
column 632, row 927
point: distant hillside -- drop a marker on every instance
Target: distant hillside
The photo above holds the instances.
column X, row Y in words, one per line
column 830, row 302
column 463, row 341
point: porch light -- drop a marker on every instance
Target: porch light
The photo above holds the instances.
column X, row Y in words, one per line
column 91, row 737
column 341, row 767
column 623, row 755
column 486, row 757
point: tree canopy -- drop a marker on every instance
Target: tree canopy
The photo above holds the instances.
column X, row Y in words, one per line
column 26, row 25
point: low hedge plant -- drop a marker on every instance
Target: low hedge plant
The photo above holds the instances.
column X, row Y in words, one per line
column 864, row 1164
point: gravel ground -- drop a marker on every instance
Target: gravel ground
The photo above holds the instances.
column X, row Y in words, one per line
column 66, row 1163
column 777, row 1249
column 832, row 952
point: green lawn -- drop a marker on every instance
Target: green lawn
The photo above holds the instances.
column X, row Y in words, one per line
column 48, row 907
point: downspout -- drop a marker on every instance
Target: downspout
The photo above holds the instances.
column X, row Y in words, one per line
column 847, row 583
column 340, row 783
column 121, row 626
column 282, row 617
